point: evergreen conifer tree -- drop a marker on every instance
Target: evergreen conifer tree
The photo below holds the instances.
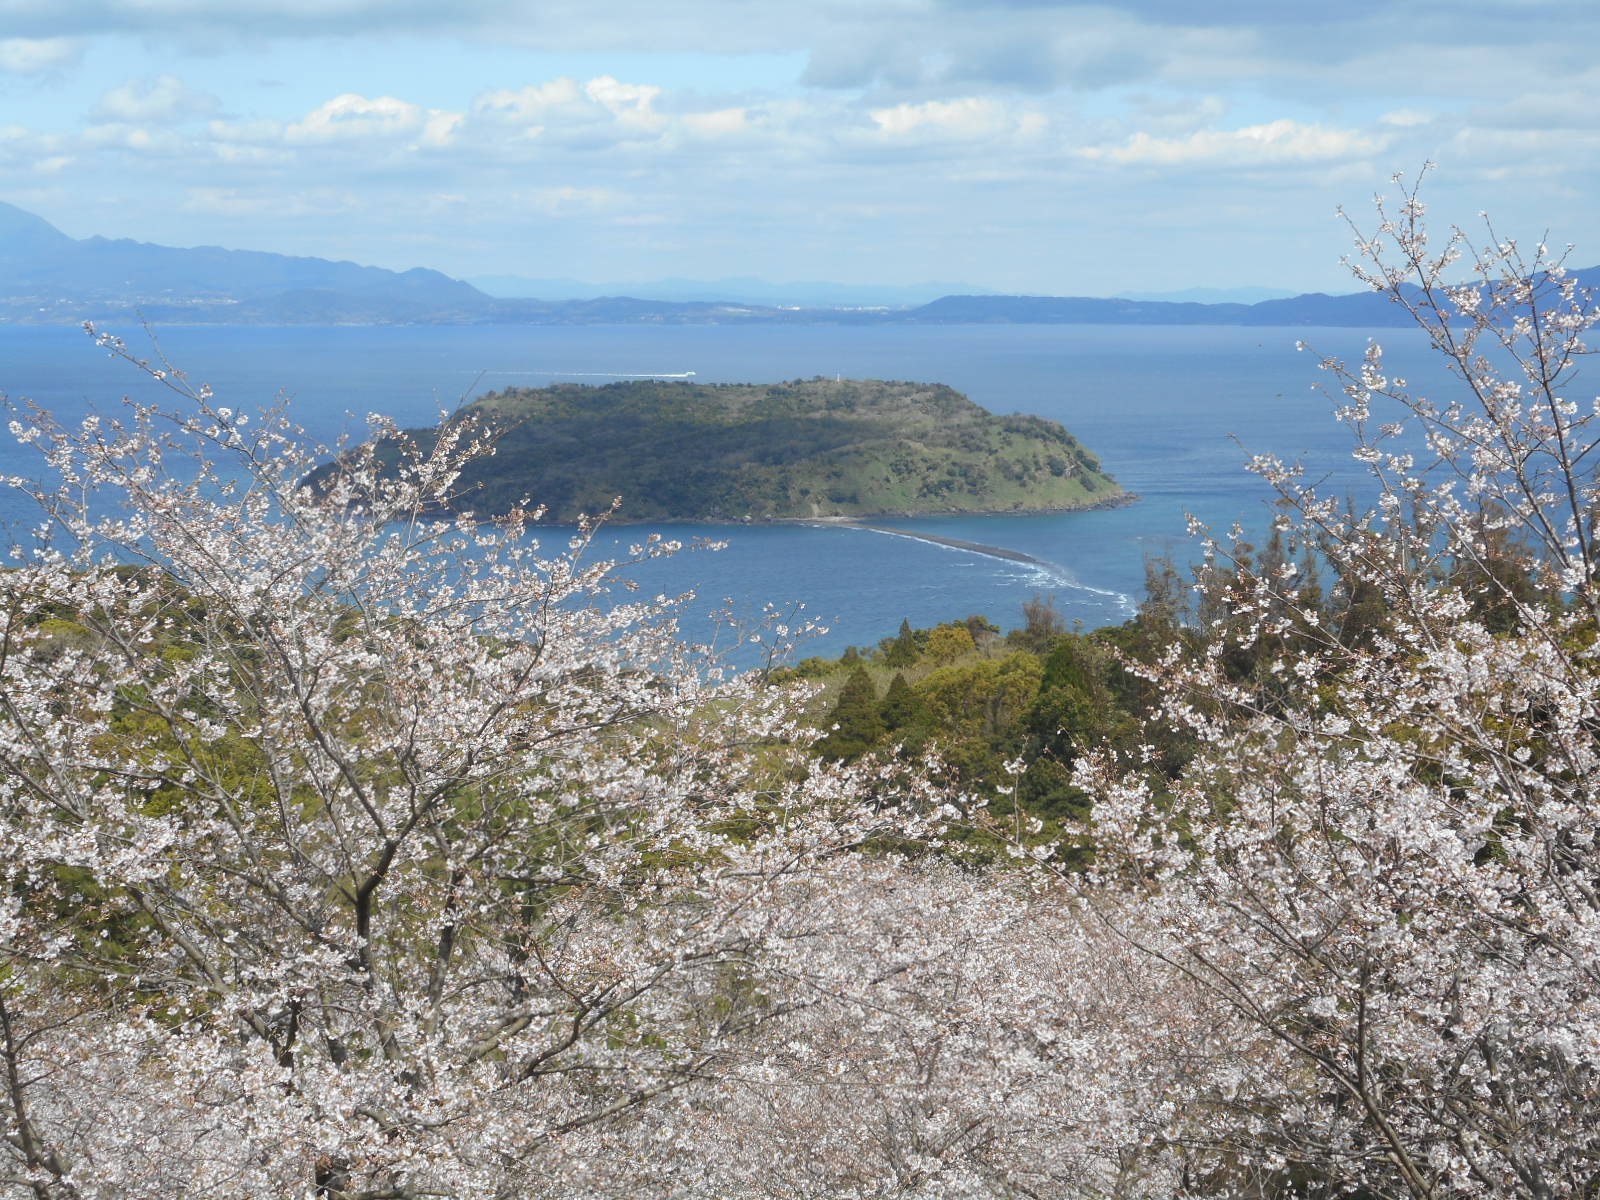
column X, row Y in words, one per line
column 855, row 720
column 900, row 706
column 902, row 651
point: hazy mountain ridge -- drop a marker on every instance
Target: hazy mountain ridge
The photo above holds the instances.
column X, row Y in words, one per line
column 732, row 290
column 48, row 277
column 1315, row 308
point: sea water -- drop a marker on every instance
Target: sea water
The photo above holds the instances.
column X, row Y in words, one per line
column 1173, row 413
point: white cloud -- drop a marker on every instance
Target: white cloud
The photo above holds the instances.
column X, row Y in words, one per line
column 628, row 102
column 351, row 116
column 563, row 110
column 29, row 56
column 1405, row 118
column 973, row 116
column 135, row 138
column 159, row 100
column 721, row 123
column 26, row 150
column 1282, row 141
column 529, row 105
column 439, row 129
column 1032, row 124
column 248, row 143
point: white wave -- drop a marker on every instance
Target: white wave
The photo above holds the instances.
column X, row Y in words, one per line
column 1050, row 576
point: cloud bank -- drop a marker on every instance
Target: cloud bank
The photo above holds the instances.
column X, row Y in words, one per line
column 1031, row 145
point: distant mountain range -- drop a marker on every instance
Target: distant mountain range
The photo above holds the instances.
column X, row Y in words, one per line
column 47, row 277
column 1212, row 295
column 735, row 290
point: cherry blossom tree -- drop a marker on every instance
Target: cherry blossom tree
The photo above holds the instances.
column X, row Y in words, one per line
column 351, row 848
column 955, row 1033
column 1384, row 860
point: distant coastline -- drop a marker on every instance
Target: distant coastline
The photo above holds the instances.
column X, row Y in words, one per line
column 52, row 279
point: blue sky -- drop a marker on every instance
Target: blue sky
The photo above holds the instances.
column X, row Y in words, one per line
column 1021, row 145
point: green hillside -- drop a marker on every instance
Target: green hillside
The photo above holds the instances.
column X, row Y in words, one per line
column 806, row 448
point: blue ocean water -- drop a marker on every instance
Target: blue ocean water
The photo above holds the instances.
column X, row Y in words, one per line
column 1173, row 414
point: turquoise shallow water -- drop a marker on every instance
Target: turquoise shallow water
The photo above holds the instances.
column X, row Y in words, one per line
column 1161, row 406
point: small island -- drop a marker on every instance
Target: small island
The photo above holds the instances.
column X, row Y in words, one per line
column 806, row 449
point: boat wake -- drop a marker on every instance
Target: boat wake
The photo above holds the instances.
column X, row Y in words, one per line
column 1041, row 572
